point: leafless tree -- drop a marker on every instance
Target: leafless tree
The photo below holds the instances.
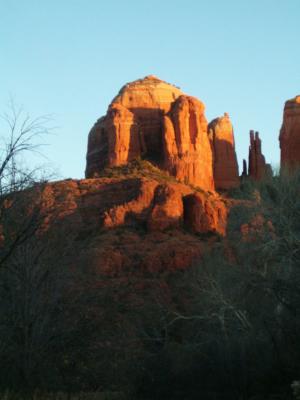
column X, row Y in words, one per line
column 29, row 288
column 22, row 136
column 20, row 215
column 31, row 318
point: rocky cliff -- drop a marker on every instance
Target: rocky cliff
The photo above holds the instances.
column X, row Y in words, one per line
column 290, row 134
column 187, row 152
column 136, row 114
column 153, row 119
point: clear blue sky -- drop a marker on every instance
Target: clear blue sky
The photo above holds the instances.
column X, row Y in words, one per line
column 70, row 58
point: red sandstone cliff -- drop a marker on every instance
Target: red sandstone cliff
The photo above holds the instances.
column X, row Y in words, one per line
column 290, row 134
column 135, row 113
column 152, row 119
column 225, row 166
column 187, row 152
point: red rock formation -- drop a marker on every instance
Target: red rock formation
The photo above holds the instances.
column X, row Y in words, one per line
column 168, row 209
column 245, row 170
column 187, row 152
column 97, row 151
column 290, row 134
column 147, row 93
column 226, row 173
column 137, row 209
column 143, row 102
column 203, row 214
column 257, row 167
column 153, row 118
column 131, row 222
column 122, row 134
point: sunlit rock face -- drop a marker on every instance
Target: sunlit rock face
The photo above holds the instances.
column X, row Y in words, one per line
column 204, row 214
column 187, row 152
column 225, row 166
column 148, row 99
column 142, row 224
column 153, row 119
column 132, row 125
column 258, row 168
column 289, row 137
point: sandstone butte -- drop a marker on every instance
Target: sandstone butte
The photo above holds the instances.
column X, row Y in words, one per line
column 130, row 213
column 289, row 137
column 154, row 119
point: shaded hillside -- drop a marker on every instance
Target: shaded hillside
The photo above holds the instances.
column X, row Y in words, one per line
column 92, row 307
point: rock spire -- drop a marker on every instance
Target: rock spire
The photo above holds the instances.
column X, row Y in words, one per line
column 257, row 167
column 225, row 166
column 289, row 137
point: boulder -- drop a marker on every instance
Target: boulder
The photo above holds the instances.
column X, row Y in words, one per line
column 167, row 209
column 205, row 214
